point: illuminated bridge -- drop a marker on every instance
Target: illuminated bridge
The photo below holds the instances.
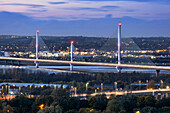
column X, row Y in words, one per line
column 89, row 63
column 119, row 65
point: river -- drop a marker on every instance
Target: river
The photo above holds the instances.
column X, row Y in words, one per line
column 57, row 69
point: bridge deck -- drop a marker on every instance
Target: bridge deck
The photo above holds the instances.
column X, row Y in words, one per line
column 90, row 63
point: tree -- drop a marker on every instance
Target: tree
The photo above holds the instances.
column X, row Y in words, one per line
column 150, row 101
column 141, row 101
column 114, row 105
column 58, row 93
column 149, row 109
column 163, row 102
column 21, row 104
column 51, row 109
column 72, row 111
column 8, row 109
column 99, row 102
column 129, row 103
column 164, row 110
column 151, row 84
column 68, row 103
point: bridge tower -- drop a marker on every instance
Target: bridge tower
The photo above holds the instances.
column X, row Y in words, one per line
column 36, row 47
column 119, row 47
column 71, row 55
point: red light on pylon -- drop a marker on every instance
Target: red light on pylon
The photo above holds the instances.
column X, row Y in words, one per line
column 36, row 45
column 118, row 45
column 120, row 24
column 72, row 42
column 37, row 31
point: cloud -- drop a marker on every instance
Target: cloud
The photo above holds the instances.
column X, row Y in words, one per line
column 17, row 24
column 19, row 4
column 57, row 2
column 130, row 0
column 109, row 7
column 87, row 9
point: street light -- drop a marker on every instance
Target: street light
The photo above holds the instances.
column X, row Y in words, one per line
column 95, row 90
column 139, row 84
column 162, row 83
column 75, row 90
column 87, row 86
column 147, row 81
column 101, row 86
column 115, row 85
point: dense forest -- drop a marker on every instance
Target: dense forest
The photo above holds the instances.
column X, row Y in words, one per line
column 58, row 101
column 27, row 76
column 49, row 100
column 80, row 79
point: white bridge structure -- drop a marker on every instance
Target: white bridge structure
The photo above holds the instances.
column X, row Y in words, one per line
column 119, row 66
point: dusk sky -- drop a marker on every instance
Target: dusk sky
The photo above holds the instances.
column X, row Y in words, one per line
column 85, row 17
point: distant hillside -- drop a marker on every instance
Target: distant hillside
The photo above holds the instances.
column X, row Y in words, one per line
column 21, row 43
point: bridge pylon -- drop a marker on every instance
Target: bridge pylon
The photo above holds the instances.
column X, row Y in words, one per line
column 36, row 47
column 71, row 55
column 119, row 48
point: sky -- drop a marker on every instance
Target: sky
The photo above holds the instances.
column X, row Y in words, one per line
column 139, row 18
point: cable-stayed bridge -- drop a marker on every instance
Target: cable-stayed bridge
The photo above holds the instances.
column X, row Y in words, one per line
column 119, row 65
column 89, row 63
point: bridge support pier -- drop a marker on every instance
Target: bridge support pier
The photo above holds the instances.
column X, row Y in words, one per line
column 12, row 62
column 36, row 64
column 6, row 61
column 162, row 95
column 19, row 63
column 71, row 67
column 167, row 95
column 157, row 75
column 118, row 69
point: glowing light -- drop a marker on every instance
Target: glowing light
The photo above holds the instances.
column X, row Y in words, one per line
column 41, row 106
column 72, row 42
column 37, row 31
column 150, row 89
column 120, row 24
column 36, row 45
column 118, row 45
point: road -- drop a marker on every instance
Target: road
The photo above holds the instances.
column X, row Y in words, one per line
column 124, row 92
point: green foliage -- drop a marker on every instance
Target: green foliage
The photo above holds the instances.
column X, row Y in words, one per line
column 51, row 109
column 150, row 101
column 72, row 111
column 99, row 102
column 163, row 102
column 149, row 109
column 21, row 104
column 129, row 103
column 59, row 93
column 164, row 110
column 141, row 101
column 8, row 109
column 114, row 105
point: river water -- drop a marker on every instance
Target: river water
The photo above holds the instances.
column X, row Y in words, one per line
column 57, row 69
